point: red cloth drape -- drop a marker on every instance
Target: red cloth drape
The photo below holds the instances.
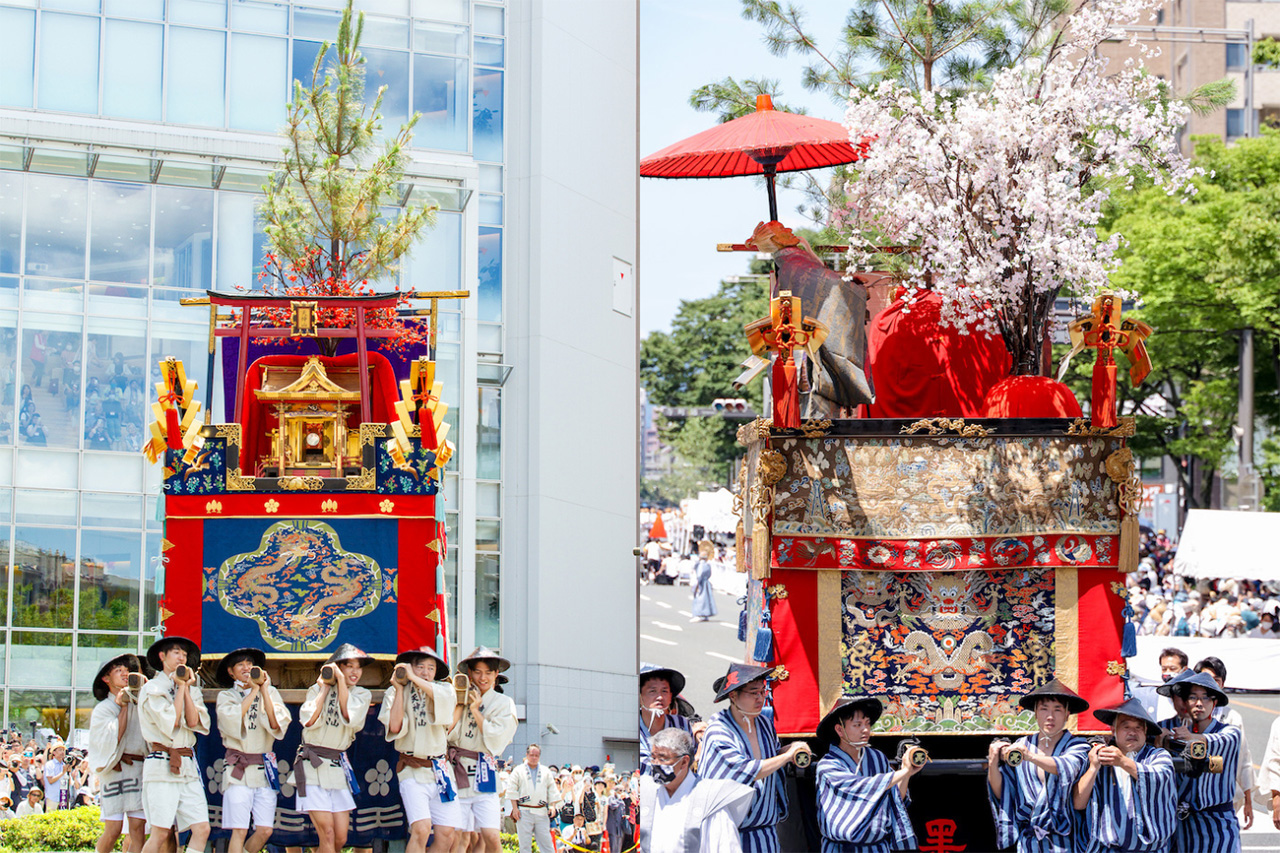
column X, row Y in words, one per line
column 923, row 369
column 256, row 419
column 1031, row 397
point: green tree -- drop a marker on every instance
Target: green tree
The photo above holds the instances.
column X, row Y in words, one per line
column 696, row 362
column 1204, row 269
column 323, row 208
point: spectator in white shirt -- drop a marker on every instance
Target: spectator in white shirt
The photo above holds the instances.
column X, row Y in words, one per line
column 32, row 804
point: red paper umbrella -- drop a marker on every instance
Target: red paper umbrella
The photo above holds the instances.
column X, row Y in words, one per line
column 763, row 143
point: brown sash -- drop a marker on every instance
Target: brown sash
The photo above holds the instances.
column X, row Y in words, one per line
column 127, row 758
column 241, row 761
column 414, row 761
column 316, row 755
column 455, row 756
column 176, row 754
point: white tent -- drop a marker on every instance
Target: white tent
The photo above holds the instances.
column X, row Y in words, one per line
column 1226, row 544
column 713, row 511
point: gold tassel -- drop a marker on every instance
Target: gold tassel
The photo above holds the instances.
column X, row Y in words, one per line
column 740, row 542
column 760, row 551
column 1129, row 543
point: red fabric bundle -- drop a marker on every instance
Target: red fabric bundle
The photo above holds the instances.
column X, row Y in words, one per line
column 1031, row 397
column 923, row 369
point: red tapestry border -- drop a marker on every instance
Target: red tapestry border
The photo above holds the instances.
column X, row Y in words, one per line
column 183, row 580
column 317, row 505
column 898, row 555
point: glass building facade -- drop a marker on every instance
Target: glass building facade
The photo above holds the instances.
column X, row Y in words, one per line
column 101, row 236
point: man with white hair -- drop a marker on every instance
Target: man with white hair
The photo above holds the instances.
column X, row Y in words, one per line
column 680, row 813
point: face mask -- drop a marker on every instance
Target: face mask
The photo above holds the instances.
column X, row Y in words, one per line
column 663, row 774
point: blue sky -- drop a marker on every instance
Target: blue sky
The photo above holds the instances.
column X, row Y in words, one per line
column 683, row 45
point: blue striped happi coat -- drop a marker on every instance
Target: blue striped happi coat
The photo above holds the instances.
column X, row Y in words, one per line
column 673, row 721
column 858, row 810
column 1143, row 825
column 726, row 754
column 1206, row 814
column 1037, row 815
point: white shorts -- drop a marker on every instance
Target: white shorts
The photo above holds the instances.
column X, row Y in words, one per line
column 481, row 811
column 239, row 801
column 422, row 802
column 178, row 803
column 133, row 815
column 326, row 800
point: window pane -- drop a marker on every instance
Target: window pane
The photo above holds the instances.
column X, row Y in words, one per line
column 196, row 87
column 115, row 396
column 488, row 601
column 209, row 13
column 385, row 32
column 451, row 582
column 45, row 506
column 439, row 38
column 110, row 580
column 241, row 242
column 388, row 68
column 184, row 238
column 489, row 51
column 488, row 500
column 260, row 17
column 489, row 20
column 50, row 394
column 436, row 263
column 68, row 63
column 17, row 58
column 92, row 651
column 10, row 217
column 5, row 562
column 487, row 115
column 490, row 275
column 131, row 70
column 56, row 223
column 104, row 510
column 258, row 90
column 120, row 242
column 43, row 562
column 47, row 709
column 151, row 9
column 440, row 95
column 152, row 583
column 313, row 24
column 489, row 435
column 91, row 6
column 9, row 378
column 491, row 209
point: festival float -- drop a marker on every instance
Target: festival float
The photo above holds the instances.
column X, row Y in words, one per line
column 309, row 519
column 927, row 516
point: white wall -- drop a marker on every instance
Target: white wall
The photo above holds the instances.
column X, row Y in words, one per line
column 569, row 583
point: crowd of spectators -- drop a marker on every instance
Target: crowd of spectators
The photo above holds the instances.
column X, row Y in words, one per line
column 37, row 779
column 593, row 802
column 1168, row 605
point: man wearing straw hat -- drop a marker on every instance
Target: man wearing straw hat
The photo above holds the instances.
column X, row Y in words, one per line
column 1206, row 812
column 1031, row 803
column 659, row 685
column 251, row 718
column 862, row 803
column 486, row 728
column 116, row 752
column 332, row 713
column 418, row 709
column 1126, row 793
column 741, row 744
column 172, row 713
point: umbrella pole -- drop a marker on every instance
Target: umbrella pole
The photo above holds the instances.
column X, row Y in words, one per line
column 769, row 174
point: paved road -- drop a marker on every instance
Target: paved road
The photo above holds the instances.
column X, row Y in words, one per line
column 703, row 650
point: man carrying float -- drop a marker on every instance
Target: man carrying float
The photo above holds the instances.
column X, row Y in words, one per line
column 251, row 718
column 418, row 709
column 485, row 729
column 172, row 713
column 116, row 752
